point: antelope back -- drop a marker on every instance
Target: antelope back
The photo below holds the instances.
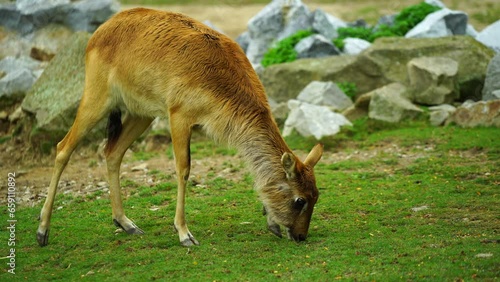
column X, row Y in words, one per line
column 156, row 63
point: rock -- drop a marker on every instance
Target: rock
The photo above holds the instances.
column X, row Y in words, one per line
column 90, row 14
column 492, row 81
column 384, row 62
column 19, row 76
column 354, row 46
column 27, row 16
column 279, row 111
column 444, row 22
column 473, row 114
column 325, row 94
column 47, row 40
column 312, row 120
column 432, row 80
column 439, row 114
column 489, row 36
column 390, row 104
column 140, row 167
column 360, row 107
column 243, row 40
column 16, row 115
column 279, row 19
column 436, row 3
column 54, row 98
column 326, row 24
column 13, row 44
column 315, row 46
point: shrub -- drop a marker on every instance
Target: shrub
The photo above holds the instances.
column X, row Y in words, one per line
column 407, row 19
column 283, row 51
column 350, row 89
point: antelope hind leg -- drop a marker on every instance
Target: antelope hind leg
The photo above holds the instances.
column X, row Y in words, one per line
column 132, row 128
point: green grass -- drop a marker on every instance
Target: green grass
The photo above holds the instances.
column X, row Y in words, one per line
column 363, row 227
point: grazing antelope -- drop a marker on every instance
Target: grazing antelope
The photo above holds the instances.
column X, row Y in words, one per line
column 153, row 63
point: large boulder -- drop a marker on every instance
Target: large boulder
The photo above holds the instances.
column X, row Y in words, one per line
column 383, row 62
column 326, row 24
column 444, row 22
column 315, row 46
column 432, row 80
column 489, row 36
column 26, row 16
column 491, row 90
column 325, row 94
column 17, row 75
column 473, row 114
column 279, row 19
column 391, row 104
column 313, row 120
column 55, row 97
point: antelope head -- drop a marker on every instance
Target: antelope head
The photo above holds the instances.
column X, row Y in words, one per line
column 290, row 201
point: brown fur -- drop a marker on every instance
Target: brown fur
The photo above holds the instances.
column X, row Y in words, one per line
column 153, row 63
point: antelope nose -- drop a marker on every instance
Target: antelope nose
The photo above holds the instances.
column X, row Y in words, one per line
column 301, row 237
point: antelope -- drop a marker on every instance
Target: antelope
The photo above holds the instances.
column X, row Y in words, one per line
column 150, row 63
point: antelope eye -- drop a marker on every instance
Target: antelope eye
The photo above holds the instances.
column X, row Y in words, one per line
column 299, row 203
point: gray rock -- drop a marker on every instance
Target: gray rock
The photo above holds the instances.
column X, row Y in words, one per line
column 88, row 15
column 54, row 98
column 279, row 111
column 390, row 104
column 325, row 94
column 30, row 7
column 19, row 76
column 243, row 40
column 297, row 18
column 13, row 44
column 326, row 24
column 354, row 46
column 27, row 16
column 277, row 20
column 436, row 3
column 312, row 120
column 489, row 36
column 439, row 114
column 474, row 114
column 492, row 81
column 315, row 46
column 432, row 80
column 387, row 20
column 444, row 22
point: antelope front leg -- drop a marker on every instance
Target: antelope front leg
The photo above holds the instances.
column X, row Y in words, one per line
column 181, row 135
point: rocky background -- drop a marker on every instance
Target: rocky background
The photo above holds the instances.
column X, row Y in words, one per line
column 442, row 66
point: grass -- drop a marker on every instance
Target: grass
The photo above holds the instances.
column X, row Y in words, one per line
column 363, row 227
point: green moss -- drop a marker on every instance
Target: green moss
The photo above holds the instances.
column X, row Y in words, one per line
column 284, row 51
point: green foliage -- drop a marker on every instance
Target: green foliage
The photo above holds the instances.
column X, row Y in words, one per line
column 283, row 51
column 408, row 18
column 349, row 88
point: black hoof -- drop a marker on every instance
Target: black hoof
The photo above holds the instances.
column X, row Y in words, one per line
column 134, row 230
column 43, row 238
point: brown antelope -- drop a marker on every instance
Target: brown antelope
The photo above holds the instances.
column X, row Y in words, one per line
column 154, row 63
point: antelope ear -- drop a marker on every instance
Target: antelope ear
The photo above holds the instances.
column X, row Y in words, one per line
column 289, row 165
column 314, row 156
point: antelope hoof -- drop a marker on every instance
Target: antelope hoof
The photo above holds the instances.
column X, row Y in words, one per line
column 42, row 237
column 131, row 229
column 190, row 241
